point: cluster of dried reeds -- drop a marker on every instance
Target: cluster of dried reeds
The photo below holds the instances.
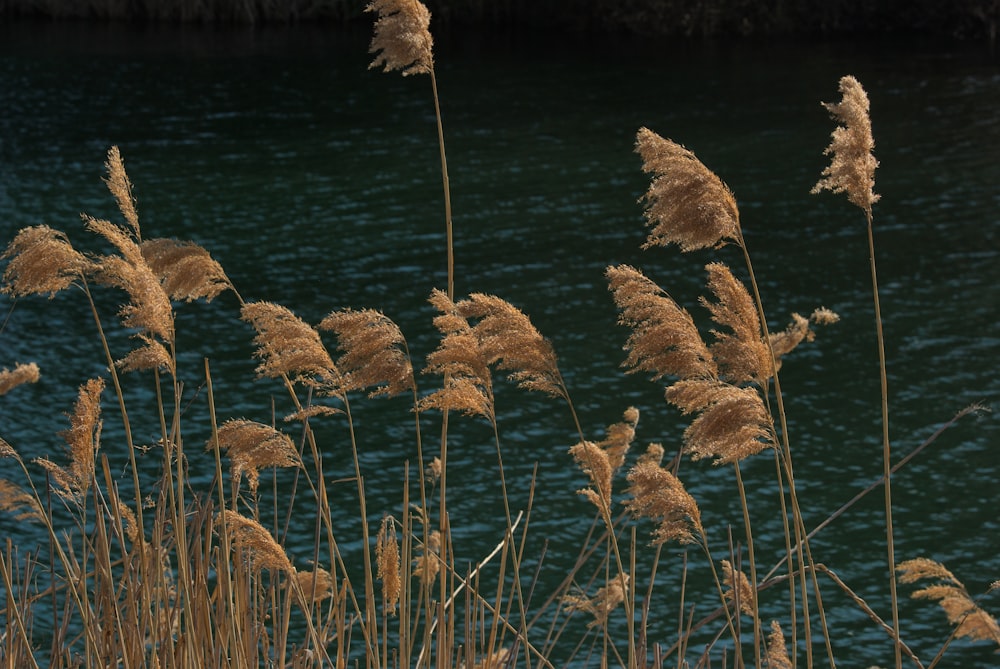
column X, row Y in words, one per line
column 157, row 574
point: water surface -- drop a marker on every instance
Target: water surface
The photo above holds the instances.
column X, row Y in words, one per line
column 316, row 184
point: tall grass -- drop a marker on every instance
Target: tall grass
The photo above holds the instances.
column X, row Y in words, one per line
column 143, row 571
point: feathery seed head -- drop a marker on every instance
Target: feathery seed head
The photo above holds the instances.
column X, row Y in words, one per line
column 509, row 341
column 664, row 339
column 654, row 492
column 968, row 618
column 374, row 352
column 83, row 440
column 461, row 360
column 602, row 603
column 595, row 463
column 287, row 345
column 118, row 183
column 259, row 548
column 21, row 374
column 187, row 271
column 742, row 354
column 402, row 39
column 739, row 591
column 252, row 446
column 777, row 652
column 852, row 168
column 15, row 500
column 42, row 261
column 687, row 204
column 387, row 562
column 316, row 585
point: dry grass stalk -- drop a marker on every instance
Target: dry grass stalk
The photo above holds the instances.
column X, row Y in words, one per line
column 741, row 354
column 17, row 501
column 21, row 374
column 459, row 358
column 402, row 38
column 510, row 342
column 686, row 204
column 604, row 601
column 42, row 260
column 374, row 352
column 777, row 652
column 968, row 618
column 187, row 271
column 739, row 590
column 118, row 183
column 387, row 563
column 288, row 346
column 664, row 339
column 656, row 493
column 852, row 168
column 252, row 446
column 83, row 440
column 260, row 548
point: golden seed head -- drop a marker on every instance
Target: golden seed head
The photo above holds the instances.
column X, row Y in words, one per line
column 687, row 204
column 402, row 39
column 852, row 167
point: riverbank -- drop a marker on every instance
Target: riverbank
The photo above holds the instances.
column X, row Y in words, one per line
column 974, row 20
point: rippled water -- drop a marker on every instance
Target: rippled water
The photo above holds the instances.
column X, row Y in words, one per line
column 316, row 184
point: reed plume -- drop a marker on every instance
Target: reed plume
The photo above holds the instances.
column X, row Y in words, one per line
column 777, row 652
column 664, row 339
column 798, row 331
column 510, row 342
column 604, row 601
column 387, row 563
column 427, row 563
column 595, row 463
column 149, row 308
column 287, row 345
column 402, row 38
column 16, row 501
column 687, row 204
column 120, row 187
column 187, row 271
column 969, row 619
column 316, row 585
column 619, row 438
column 42, row 260
column 741, row 354
column 852, row 167
column 83, row 440
column 740, row 591
column 21, row 374
column 260, row 549
column 732, row 424
column 459, row 358
column 654, row 492
column 373, row 352
column 252, row 446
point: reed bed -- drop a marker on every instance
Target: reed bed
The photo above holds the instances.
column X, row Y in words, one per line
column 141, row 571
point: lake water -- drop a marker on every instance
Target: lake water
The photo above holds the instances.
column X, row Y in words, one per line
column 316, row 184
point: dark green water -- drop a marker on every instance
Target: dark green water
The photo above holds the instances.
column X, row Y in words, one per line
column 316, row 184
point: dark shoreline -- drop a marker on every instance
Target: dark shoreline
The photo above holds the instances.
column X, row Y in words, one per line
column 974, row 20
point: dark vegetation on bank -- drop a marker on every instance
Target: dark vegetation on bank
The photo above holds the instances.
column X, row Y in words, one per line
column 954, row 19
